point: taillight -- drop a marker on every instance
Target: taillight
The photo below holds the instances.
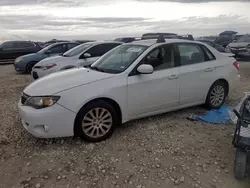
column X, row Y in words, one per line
column 237, row 65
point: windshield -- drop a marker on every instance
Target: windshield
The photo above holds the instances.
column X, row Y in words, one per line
column 245, row 38
column 77, row 50
column 119, row 59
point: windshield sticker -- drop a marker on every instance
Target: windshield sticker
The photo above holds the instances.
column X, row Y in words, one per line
column 133, row 49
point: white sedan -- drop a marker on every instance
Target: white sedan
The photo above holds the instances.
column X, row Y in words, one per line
column 132, row 81
column 82, row 55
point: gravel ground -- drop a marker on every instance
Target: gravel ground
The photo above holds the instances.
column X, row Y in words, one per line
column 161, row 151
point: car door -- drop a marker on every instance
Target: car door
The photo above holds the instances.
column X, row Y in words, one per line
column 157, row 92
column 197, row 72
column 11, row 50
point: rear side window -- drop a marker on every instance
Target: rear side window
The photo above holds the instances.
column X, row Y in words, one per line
column 25, row 44
column 190, row 54
column 58, row 49
column 209, row 55
column 8, row 45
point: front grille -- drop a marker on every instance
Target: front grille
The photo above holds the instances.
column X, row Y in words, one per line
column 24, row 98
column 35, row 76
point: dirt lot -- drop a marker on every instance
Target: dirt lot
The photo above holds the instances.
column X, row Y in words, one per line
column 161, row 151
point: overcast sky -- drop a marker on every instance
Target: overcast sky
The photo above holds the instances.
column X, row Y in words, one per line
column 108, row 19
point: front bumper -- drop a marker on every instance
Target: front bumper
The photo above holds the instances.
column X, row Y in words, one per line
column 239, row 52
column 50, row 122
column 38, row 73
column 19, row 67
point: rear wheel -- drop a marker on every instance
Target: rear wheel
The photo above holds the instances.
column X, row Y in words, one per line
column 240, row 164
column 217, row 95
column 30, row 66
column 96, row 121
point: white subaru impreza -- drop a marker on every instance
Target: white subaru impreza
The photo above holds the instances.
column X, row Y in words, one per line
column 132, row 81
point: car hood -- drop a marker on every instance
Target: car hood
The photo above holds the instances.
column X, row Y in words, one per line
column 63, row 80
column 51, row 60
column 55, row 60
column 32, row 57
column 239, row 44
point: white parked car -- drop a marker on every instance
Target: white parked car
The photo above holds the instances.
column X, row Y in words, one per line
column 82, row 55
column 132, row 81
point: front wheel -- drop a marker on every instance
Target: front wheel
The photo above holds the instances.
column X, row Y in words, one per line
column 217, row 95
column 240, row 164
column 96, row 121
column 30, row 66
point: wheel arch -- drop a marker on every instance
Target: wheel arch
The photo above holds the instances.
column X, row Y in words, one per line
column 106, row 99
column 29, row 63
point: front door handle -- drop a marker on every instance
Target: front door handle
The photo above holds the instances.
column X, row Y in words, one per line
column 209, row 69
column 173, row 76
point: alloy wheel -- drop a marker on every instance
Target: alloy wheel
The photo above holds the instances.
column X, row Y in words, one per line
column 217, row 95
column 97, row 122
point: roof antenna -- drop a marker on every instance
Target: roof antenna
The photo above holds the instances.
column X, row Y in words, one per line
column 160, row 39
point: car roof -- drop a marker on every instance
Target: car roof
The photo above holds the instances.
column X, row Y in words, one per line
column 204, row 40
column 151, row 42
column 103, row 42
column 19, row 41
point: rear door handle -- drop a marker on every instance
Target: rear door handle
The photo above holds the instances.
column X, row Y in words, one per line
column 174, row 76
column 209, row 70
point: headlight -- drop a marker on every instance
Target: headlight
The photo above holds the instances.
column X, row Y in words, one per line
column 41, row 102
column 19, row 59
column 49, row 66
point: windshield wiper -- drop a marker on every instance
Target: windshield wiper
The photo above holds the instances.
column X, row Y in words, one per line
column 96, row 68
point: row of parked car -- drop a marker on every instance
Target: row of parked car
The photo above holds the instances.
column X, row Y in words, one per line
column 116, row 82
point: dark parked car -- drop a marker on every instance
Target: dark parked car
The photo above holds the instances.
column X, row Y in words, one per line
column 53, row 41
column 12, row 49
column 25, row 63
column 147, row 36
column 125, row 39
column 241, row 47
column 213, row 44
column 186, row 37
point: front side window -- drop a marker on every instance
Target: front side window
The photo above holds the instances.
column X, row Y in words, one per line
column 190, row 54
column 77, row 50
column 119, row 59
column 161, row 58
column 58, row 49
column 101, row 49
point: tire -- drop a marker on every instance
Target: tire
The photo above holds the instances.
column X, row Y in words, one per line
column 84, row 117
column 213, row 101
column 30, row 66
column 240, row 164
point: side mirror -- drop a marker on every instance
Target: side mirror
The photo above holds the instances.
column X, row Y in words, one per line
column 86, row 55
column 145, row 69
column 48, row 52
